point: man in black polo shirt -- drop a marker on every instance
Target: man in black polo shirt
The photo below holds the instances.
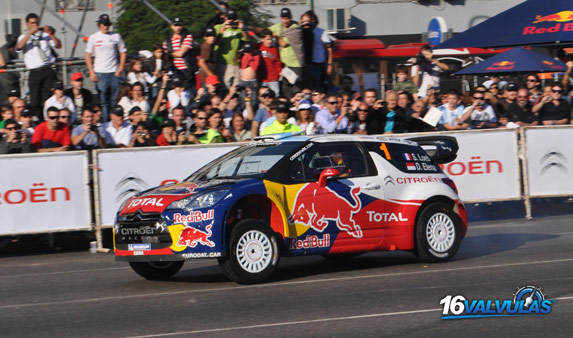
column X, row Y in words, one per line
column 519, row 112
column 553, row 110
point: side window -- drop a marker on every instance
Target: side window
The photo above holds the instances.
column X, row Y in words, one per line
column 348, row 158
column 406, row 158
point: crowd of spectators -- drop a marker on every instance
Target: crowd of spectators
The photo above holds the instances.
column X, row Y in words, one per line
column 221, row 85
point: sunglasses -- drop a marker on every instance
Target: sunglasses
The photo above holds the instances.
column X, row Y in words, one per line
column 557, row 91
column 201, row 118
column 332, row 102
column 521, row 97
column 65, row 117
column 478, row 97
column 531, row 80
column 493, row 87
column 480, row 91
column 53, row 117
column 362, row 109
column 11, row 128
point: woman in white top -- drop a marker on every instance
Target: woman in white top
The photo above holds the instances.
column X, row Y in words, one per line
column 137, row 99
column 305, row 118
column 136, row 74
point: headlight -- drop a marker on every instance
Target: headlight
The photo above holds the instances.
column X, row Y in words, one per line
column 201, row 200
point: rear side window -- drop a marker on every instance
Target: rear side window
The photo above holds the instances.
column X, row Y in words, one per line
column 406, row 158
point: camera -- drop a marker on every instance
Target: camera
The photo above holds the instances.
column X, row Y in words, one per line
column 141, row 133
column 420, row 59
column 93, row 127
column 481, row 103
column 234, row 24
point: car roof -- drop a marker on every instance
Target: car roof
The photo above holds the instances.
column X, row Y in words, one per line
column 297, row 137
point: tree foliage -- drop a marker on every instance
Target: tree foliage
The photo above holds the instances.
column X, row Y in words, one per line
column 141, row 28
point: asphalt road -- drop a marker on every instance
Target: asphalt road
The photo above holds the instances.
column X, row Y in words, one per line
column 80, row 294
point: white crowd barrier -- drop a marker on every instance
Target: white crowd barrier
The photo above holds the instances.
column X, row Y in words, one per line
column 44, row 193
column 487, row 166
column 121, row 173
column 49, row 192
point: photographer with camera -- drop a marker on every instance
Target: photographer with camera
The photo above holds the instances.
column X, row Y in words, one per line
column 14, row 140
column 37, row 44
column 141, row 137
column 427, row 71
column 479, row 114
column 86, row 136
column 230, row 34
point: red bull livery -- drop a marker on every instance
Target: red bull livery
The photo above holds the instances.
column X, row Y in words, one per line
column 290, row 195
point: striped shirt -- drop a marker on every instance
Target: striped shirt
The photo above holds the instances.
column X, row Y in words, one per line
column 175, row 43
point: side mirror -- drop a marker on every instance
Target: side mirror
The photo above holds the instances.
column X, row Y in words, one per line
column 325, row 174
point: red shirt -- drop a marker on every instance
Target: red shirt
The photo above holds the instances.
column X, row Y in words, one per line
column 250, row 60
column 45, row 138
column 161, row 141
column 271, row 70
column 176, row 44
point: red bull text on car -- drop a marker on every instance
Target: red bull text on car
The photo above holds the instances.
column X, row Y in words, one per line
column 289, row 195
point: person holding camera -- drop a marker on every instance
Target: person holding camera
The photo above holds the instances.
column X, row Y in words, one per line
column 105, row 69
column 428, row 71
column 14, row 140
column 230, row 34
column 141, row 137
column 479, row 114
column 37, row 44
column 86, row 135
column 553, row 109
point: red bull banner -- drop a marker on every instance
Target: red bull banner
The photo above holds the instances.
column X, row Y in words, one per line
column 44, row 193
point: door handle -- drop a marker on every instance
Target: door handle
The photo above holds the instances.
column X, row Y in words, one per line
column 371, row 186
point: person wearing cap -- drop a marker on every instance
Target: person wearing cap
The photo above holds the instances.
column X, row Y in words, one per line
column 280, row 124
column 86, row 135
column 168, row 136
column 509, row 96
column 117, row 132
column 59, row 100
column 266, row 97
column 287, row 54
column 178, row 96
column 51, row 135
column 230, row 34
column 250, row 64
column 13, row 140
column 106, row 67
column 37, row 44
column 26, row 123
column 479, row 115
column 180, row 54
column 305, row 118
column 13, row 94
column 79, row 95
column 207, row 56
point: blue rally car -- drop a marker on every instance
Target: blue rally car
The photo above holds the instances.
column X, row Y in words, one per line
column 287, row 195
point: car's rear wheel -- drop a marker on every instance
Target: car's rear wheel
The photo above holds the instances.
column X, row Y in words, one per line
column 253, row 253
column 156, row 270
column 438, row 234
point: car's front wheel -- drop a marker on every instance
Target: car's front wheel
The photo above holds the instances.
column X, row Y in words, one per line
column 156, row 270
column 438, row 234
column 253, row 253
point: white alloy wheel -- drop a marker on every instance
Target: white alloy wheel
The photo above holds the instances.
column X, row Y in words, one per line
column 440, row 232
column 254, row 251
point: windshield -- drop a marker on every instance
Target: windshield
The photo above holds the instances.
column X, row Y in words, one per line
column 249, row 161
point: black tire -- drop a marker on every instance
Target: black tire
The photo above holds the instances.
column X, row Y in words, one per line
column 253, row 253
column 438, row 233
column 156, row 270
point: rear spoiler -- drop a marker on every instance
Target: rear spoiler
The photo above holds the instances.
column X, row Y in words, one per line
column 442, row 149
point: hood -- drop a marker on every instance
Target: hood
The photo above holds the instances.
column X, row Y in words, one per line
column 158, row 198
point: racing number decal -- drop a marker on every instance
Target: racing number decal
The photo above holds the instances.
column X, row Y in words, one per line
column 385, row 150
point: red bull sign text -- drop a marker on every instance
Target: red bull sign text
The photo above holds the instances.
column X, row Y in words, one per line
column 310, row 242
column 560, row 26
column 194, row 216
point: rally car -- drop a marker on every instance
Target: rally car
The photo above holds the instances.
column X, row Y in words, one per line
column 289, row 195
